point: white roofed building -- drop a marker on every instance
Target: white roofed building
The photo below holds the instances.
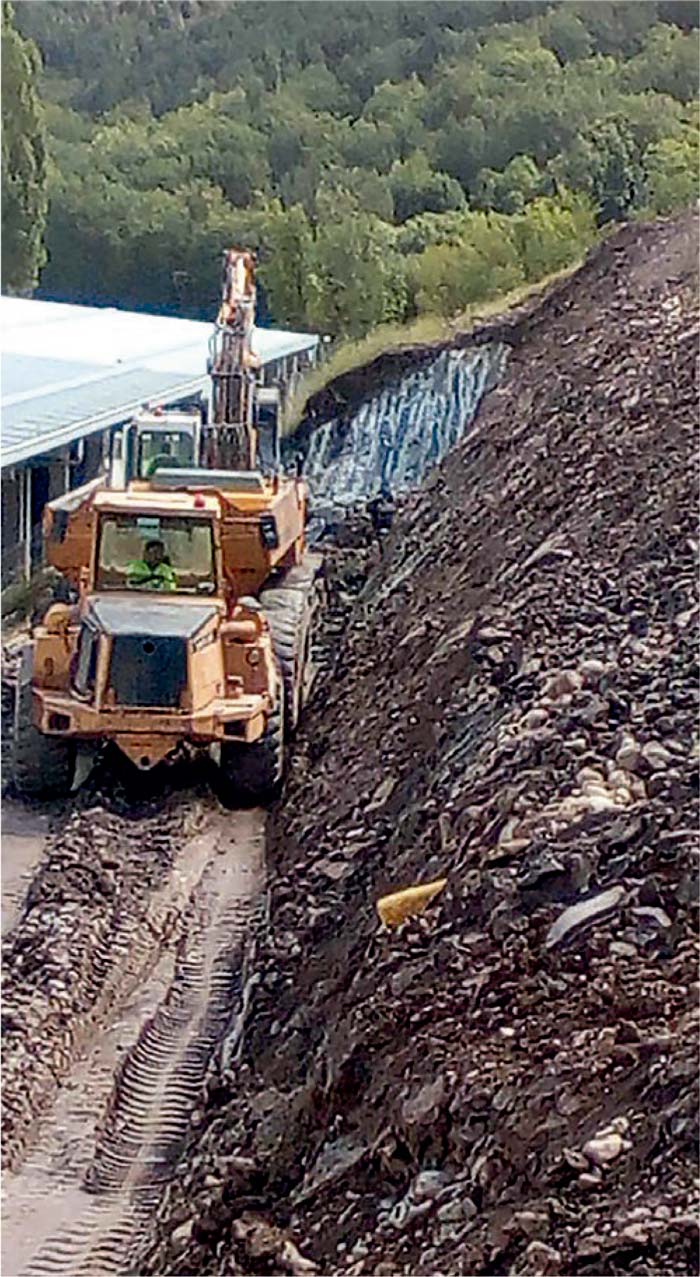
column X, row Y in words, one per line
column 72, row 374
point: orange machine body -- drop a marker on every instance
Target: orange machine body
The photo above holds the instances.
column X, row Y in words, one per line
column 230, row 679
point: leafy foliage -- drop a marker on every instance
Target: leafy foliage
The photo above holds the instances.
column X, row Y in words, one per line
column 24, row 199
column 386, row 160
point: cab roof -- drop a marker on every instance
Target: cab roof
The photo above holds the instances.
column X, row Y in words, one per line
column 147, row 501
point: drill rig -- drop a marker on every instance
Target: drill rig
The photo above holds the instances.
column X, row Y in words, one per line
column 244, row 416
column 195, row 599
column 229, row 442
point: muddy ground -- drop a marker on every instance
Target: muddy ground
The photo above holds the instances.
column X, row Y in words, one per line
column 506, row 1084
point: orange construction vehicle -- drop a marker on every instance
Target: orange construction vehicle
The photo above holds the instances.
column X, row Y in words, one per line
column 195, row 597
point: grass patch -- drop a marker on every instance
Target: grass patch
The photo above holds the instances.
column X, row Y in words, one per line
column 423, row 331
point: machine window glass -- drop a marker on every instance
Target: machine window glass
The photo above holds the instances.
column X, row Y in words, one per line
column 87, row 661
column 163, row 448
column 170, row 554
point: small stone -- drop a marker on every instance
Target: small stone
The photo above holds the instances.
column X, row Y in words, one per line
column 183, row 1233
column 584, row 914
column 621, row 949
column 333, row 869
column 592, row 671
column 563, row 683
column 635, row 1233
column 588, row 776
column 655, row 917
column 657, row 756
column 589, row 1180
column 534, row 1224
column 575, row 1159
column 533, row 719
column 428, row 1184
column 629, row 754
column 450, row 1213
column 603, row 1148
column 541, row 1260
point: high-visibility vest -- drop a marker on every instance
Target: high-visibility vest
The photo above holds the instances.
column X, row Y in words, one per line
column 158, row 577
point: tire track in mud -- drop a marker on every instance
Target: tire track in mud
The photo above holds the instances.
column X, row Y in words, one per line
column 97, row 1193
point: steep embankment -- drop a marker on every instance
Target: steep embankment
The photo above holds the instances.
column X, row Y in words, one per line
column 505, row 1085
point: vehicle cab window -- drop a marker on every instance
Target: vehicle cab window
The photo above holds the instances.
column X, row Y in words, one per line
column 163, row 449
column 168, row 555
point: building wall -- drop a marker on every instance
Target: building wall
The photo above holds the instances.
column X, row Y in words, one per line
column 27, row 487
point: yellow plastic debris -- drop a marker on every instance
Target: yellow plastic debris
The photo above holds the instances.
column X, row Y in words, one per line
column 394, row 909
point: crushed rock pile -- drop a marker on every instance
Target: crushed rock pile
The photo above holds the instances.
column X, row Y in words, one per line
column 505, row 1084
column 66, row 959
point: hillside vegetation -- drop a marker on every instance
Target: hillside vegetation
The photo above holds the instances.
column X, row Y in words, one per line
column 387, row 161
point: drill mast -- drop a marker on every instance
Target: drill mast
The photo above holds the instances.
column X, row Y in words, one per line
column 229, row 442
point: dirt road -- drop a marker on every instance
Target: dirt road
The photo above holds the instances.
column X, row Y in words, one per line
column 101, row 1155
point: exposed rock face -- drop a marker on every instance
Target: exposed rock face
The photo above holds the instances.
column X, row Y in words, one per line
column 400, row 431
column 506, row 1083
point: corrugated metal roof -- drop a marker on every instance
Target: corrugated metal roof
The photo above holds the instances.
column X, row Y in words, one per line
column 70, row 370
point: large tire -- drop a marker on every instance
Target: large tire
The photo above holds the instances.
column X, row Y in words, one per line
column 42, row 766
column 255, row 772
column 288, row 614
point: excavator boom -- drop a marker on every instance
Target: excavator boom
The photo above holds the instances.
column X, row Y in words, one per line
column 229, row 441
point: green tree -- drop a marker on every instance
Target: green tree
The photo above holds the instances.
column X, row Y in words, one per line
column 368, row 145
column 400, row 106
column 427, row 229
column 24, row 168
column 553, row 233
column 367, row 192
column 509, row 191
column 649, row 117
column 448, row 277
column 618, row 27
column 356, row 279
column 417, row 188
column 284, row 263
column 285, row 149
column 565, row 34
column 459, row 149
column 671, row 168
column 605, row 164
column 668, row 63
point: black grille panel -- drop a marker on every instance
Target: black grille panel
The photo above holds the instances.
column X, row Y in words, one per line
column 148, row 670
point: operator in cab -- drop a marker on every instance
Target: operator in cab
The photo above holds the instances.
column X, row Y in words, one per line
column 153, row 571
column 163, row 459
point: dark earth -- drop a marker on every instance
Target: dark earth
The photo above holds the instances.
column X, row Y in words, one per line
column 506, row 1084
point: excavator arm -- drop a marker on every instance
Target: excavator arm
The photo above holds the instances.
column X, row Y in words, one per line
column 230, row 440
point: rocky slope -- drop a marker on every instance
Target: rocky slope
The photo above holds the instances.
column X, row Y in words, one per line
column 505, row 1084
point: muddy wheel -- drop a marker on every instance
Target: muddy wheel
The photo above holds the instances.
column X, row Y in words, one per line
column 289, row 617
column 254, row 772
column 42, row 766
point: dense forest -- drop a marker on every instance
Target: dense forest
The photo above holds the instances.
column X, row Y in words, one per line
column 385, row 160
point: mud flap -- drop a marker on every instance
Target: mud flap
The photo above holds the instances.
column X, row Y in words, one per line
column 84, row 763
